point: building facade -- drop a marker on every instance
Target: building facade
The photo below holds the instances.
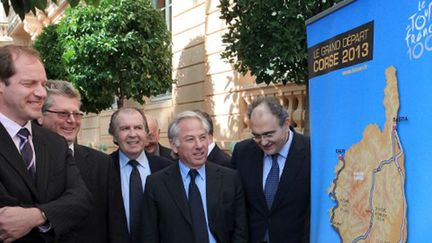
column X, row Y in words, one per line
column 203, row 80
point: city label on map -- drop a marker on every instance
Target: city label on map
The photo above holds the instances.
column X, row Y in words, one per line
column 369, row 183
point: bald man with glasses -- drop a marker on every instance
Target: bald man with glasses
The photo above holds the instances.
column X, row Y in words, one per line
column 274, row 166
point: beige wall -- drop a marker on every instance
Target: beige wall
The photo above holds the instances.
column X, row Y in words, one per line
column 202, row 81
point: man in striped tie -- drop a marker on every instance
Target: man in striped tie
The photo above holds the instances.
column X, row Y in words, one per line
column 42, row 195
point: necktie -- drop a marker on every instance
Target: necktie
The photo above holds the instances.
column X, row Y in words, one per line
column 26, row 150
column 135, row 202
column 199, row 223
column 272, row 181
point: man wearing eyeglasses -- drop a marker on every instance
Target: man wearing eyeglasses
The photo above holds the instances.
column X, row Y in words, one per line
column 274, row 166
column 42, row 195
column 61, row 114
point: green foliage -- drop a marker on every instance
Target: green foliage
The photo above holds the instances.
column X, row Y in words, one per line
column 268, row 37
column 48, row 45
column 22, row 7
column 120, row 49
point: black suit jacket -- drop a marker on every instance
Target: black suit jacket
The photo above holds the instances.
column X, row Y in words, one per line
column 219, row 157
column 96, row 169
column 167, row 216
column 165, row 152
column 119, row 230
column 58, row 189
column 288, row 219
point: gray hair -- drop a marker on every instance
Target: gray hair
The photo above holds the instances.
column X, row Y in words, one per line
column 59, row 87
column 274, row 106
column 173, row 128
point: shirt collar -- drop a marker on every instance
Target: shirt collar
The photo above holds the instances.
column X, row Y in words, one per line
column 12, row 127
column 285, row 149
column 184, row 171
column 211, row 147
column 142, row 159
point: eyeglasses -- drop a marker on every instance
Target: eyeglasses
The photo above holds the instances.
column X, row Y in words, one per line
column 67, row 114
column 267, row 135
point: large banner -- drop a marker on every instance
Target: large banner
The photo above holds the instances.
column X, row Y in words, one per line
column 370, row 69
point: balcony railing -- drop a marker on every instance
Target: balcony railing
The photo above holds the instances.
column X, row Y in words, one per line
column 291, row 96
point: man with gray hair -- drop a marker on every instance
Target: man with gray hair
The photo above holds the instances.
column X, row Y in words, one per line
column 132, row 164
column 274, row 166
column 192, row 200
column 61, row 114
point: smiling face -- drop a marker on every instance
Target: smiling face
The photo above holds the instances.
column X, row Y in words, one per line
column 23, row 98
column 192, row 144
column 67, row 127
column 130, row 133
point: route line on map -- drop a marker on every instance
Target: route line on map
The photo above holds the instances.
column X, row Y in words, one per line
column 393, row 159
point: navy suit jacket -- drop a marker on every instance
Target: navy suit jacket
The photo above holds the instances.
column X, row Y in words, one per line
column 219, row 157
column 58, row 189
column 96, row 169
column 288, row 219
column 119, row 230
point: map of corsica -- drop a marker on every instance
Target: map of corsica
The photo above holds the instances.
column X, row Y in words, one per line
column 369, row 184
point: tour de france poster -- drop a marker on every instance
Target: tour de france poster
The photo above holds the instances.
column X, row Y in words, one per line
column 370, row 98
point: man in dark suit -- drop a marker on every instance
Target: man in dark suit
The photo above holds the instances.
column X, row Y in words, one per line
column 129, row 129
column 42, row 195
column 215, row 154
column 275, row 170
column 153, row 146
column 61, row 114
column 193, row 201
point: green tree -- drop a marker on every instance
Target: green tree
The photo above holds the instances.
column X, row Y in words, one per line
column 51, row 51
column 22, row 7
column 268, row 37
column 118, row 50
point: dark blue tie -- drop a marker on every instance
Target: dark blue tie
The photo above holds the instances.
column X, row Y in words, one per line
column 135, row 202
column 272, row 181
column 199, row 223
column 26, row 150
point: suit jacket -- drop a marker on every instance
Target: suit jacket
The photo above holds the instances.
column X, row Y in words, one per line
column 57, row 190
column 96, row 169
column 165, row 152
column 219, row 157
column 119, row 230
column 288, row 219
column 167, row 216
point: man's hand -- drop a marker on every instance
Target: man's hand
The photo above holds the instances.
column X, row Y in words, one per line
column 16, row 222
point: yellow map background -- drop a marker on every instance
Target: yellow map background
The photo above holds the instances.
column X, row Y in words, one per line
column 369, row 184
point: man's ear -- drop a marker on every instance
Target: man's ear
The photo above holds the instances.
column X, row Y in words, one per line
column 173, row 146
column 2, row 86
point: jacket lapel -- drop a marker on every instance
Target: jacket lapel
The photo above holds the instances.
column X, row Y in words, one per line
column 14, row 159
column 42, row 169
column 213, row 187
column 256, row 167
column 293, row 164
column 175, row 186
column 80, row 156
